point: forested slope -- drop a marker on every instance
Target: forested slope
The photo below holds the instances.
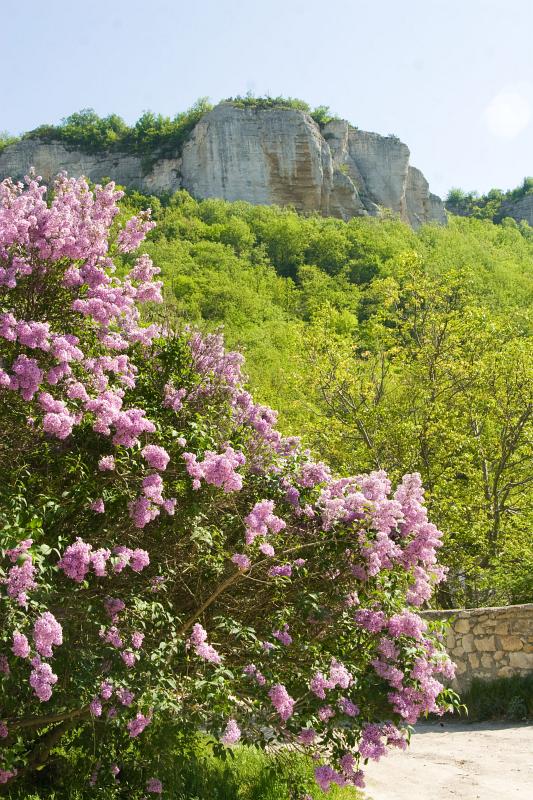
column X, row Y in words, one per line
column 388, row 348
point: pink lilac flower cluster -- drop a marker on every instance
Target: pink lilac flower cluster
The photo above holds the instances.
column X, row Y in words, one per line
column 79, row 558
column 114, row 606
column 125, row 696
column 252, row 671
column 154, row 786
column 261, row 521
column 155, row 456
column 282, row 701
column 47, row 632
column 20, row 646
column 19, row 550
column 338, row 676
column 42, row 679
column 137, row 725
column 241, row 561
column 20, row 580
column 218, row 368
column 280, row 571
column 198, row 640
column 216, row 469
column 232, row 733
column 72, row 234
column 326, row 775
column 283, row 636
column 147, row 507
column 137, row 559
column 107, row 464
column 174, row 397
column 307, row 736
column 313, row 473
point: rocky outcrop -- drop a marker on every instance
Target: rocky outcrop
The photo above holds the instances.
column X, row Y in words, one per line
column 49, row 158
column 420, row 202
column 518, row 209
column 264, row 156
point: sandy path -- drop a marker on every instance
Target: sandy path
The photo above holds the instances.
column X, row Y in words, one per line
column 458, row 761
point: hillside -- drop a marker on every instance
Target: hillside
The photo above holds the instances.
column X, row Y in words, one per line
column 265, row 151
column 495, row 205
column 388, row 348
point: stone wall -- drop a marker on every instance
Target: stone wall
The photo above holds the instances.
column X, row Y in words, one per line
column 489, row 642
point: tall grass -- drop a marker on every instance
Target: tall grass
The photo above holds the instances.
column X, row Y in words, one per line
column 244, row 773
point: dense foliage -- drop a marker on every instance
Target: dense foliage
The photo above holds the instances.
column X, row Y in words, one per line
column 153, row 136
column 385, row 348
column 501, row 698
column 6, row 139
column 487, row 206
column 170, row 562
column 321, row 114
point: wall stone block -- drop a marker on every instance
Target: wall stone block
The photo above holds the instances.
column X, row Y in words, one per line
column 488, row 642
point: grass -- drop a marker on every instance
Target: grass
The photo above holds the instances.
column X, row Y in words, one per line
column 245, row 773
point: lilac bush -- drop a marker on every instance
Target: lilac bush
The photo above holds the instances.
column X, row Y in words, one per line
column 166, row 553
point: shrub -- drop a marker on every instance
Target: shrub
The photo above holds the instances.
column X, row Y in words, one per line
column 167, row 556
column 510, row 698
column 153, row 136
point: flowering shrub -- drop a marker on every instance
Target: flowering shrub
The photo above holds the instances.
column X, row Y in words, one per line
column 166, row 552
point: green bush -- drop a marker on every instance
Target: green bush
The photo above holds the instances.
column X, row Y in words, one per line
column 198, row 769
column 503, row 698
column 488, row 206
column 6, row 139
column 153, row 136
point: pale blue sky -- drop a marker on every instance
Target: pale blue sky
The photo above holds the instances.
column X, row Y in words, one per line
column 452, row 78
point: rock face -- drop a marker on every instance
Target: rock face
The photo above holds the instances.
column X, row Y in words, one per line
column 519, row 209
column 49, row 158
column 264, row 156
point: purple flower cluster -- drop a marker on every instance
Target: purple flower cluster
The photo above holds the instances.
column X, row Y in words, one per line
column 282, row 701
column 42, row 679
column 198, row 640
column 154, row 786
column 338, row 676
column 241, row 561
column 79, row 558
column 261, row 521
column 21, row 646
column 232, row 733
column 252, row 672
column 156, row 457
column 283, row 636
column 20, row 580
column 216, row 469
column 137, row 725
column 47, row 632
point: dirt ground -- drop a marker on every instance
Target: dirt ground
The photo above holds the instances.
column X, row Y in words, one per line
column 457, row 761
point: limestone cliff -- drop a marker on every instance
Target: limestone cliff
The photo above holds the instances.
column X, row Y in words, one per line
column 518, row 209
column 265, row 156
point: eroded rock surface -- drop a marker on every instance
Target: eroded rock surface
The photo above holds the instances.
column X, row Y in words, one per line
column 519, row 209
column 264, row 156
